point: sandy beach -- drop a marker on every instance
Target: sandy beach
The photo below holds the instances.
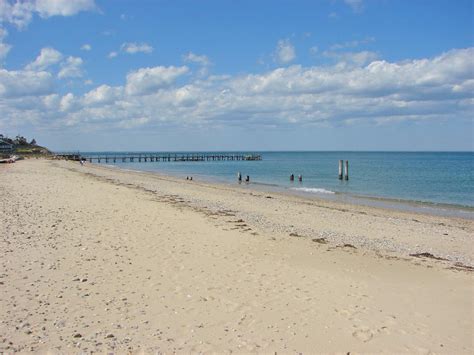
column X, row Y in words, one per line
column 102, row 259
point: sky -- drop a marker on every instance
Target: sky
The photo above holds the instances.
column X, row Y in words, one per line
column 180, row 75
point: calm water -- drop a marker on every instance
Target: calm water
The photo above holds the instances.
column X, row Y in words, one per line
column 435, row 178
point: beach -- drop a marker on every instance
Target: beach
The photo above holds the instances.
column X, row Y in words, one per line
column 96, row 258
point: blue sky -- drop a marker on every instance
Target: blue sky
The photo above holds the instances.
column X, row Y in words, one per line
column 238, row 75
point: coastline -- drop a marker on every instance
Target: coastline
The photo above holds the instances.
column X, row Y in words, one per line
column 103, row 259
column 392, row 203
column 211, row 197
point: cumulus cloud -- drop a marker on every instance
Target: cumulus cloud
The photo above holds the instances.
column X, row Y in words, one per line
column 17, row 13
column 68, row 102
column 112, row 55
column 284, row 52
column 20, row 13
column 71, row 68
column 133, row 48
column 377, row 92
column 86, row 47
column 25, row 83
column 102, row 95
column 47, row 57
column 147, row 80
column 48, row 8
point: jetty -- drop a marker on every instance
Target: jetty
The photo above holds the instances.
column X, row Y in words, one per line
column 160, row 157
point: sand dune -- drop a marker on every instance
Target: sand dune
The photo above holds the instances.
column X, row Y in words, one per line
column 97, row 259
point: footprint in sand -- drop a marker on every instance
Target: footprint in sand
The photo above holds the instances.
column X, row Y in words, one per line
column 363, row 334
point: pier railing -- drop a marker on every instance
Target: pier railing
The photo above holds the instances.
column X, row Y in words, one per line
column 166, row 157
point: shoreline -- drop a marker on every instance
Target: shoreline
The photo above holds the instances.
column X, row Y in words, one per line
column 430, row 246
column 391, row 203
column 98, row 259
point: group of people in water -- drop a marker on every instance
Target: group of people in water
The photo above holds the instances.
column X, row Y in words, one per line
column 247, row 178
column 300, row 177
column 239, row 177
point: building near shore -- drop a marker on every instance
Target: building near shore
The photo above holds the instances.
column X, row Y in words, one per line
column 5, row 147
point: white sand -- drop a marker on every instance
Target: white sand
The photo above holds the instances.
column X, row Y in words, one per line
column 97, row 259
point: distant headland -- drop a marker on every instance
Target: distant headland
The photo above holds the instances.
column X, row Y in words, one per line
column 21, row 146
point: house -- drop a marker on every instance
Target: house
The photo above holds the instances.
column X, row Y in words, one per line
column 5, row 147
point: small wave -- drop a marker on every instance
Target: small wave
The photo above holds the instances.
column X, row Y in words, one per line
column 313, row 190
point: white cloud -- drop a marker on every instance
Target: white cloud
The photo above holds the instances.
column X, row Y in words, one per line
column 20, row 13
column 51, row 102
column 377, row 92
column 285, row 52
column 71, row 68
column 86, row 47
column 147, row 80
column 47, row 57
column 48, row 8
column 67, row 102
column 25, row 83
column 133, row 48
column 103, row 94
column 17, row 13
column 198, row 59
column 112, row 54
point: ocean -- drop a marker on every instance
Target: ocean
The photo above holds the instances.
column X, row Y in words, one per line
column 438, row 182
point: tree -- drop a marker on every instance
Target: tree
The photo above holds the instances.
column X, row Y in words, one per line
column 33, row 142
column 20, row 140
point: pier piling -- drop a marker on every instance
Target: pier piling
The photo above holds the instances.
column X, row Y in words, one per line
column 346, row 172
column 340, row 169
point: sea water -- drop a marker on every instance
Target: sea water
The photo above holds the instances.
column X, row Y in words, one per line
column 428, row 179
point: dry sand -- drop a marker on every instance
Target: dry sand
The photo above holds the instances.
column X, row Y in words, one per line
column 97, row 259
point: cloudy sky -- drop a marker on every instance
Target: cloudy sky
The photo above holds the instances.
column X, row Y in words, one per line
column 238, row 75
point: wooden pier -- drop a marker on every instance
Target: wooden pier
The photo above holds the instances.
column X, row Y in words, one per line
column 170, row 157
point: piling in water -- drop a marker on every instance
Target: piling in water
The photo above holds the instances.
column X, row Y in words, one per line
column 346, row 172
column 340, row 169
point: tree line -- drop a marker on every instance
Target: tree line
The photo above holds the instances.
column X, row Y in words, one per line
column 18, row 140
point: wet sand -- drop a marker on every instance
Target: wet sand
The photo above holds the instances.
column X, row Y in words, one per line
column 98, row 259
